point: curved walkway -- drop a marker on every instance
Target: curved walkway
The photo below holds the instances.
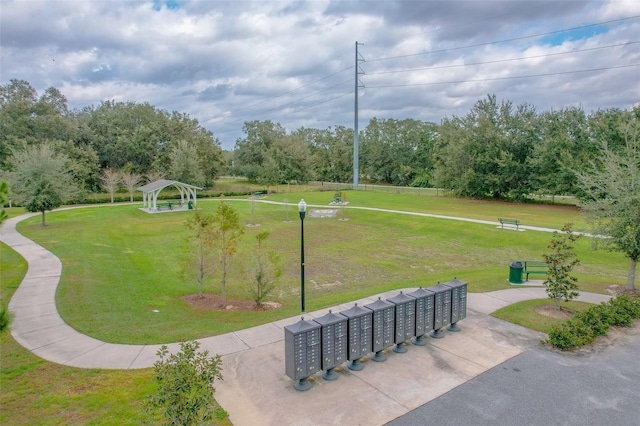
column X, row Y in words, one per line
column 255, row 389
column 38, row 327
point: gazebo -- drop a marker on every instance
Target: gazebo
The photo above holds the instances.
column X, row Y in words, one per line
column 151, row 190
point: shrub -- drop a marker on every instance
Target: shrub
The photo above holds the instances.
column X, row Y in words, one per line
column 596, row 319
column 185, row 385
column 585, row 326
column 5, row 318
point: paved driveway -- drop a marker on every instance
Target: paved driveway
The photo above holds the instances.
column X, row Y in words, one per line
column 541, row 387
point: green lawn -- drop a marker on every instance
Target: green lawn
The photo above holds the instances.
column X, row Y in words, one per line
column 122, row 264
column 34, row 391
column 525, row 314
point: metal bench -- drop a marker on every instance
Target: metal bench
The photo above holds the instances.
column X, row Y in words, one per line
column 534, row 267
column 504, row 221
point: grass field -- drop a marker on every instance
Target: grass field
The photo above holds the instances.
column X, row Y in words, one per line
column 122, row 264
column 35, row 392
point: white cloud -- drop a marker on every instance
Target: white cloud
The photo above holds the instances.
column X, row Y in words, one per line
column 292, row 61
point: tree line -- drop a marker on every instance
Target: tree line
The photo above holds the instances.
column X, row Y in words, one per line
column 127, row 137
column 497, row 150
column 48, row 154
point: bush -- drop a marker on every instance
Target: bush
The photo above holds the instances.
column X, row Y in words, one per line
column 586, row 325
column 185, row 385
column 624, row 311
column 596, row 319
column 5, row 318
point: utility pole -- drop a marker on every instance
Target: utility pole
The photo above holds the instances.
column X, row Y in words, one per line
column 358, row 83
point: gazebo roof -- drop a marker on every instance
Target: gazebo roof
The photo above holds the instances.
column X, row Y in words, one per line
column 163, row 183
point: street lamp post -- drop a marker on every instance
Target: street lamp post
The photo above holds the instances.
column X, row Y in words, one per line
column 302, row 209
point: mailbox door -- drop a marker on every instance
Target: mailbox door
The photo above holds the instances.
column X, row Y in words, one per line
column 328, row 346
column 446, row 315
column 428, row 313
column 409, row 320
column 455, row 304
column 400, row 323
column 389, row 327
column 420, row 316
column 354, row 338
column 378, row 330
column 462, row 314
column 313, row 352
column 438, row 321
column 366, row 335
column 340, row 342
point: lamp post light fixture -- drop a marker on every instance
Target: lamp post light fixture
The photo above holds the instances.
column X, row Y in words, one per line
column 302, row 209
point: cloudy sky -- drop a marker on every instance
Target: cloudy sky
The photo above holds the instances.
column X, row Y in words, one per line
column 293, row 62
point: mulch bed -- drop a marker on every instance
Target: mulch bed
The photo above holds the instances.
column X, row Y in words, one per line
column 214, row 302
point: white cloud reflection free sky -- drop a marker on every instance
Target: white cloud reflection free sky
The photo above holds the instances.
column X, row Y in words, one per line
column 293, row 62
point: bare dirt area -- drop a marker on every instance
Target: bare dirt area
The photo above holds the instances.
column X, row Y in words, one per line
column 619, row 290
column 214, row 302
column 554, row 312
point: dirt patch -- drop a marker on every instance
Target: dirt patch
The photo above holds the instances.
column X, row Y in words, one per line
column 214, row 302
column 620, row 290
column 554, row 312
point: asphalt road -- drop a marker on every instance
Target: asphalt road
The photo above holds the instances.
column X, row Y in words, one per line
column 543, row 387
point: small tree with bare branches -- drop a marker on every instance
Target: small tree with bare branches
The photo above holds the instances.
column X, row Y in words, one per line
column 110, row 181
column 130, row 181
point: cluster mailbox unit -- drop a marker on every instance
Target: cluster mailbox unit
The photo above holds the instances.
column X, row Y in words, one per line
column 405, row 320
column 441, row 308
column 360, row 335
column 325, row 343
column 458, row 302
column 302, row 342
column 334, row 343
column 383, row 327
column 424, row 314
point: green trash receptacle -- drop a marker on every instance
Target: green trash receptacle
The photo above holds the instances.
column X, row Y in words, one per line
column 515, row 272
column 190, row 205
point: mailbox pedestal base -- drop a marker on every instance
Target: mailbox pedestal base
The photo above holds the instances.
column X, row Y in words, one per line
column 419, row 340
column 330, row 374
column 400, row 348
column 437, row 334
column 356, row 365
column 379, row 357
column 454, row 327
column 303, row 385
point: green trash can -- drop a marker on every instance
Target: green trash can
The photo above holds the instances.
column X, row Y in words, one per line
column 515, row 272
column 190, row 205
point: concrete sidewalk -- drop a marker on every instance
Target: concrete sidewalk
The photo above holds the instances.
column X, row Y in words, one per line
column 255, row 389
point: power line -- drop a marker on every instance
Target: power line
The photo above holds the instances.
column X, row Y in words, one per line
column 503, row 60
column 301, row 108
column 316, row 104
column 503, row 41
column 504, row 78
column 302, row 98
column 296, row 89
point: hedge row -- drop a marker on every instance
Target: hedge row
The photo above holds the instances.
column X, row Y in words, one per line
column 137, row 198
column 586, row 325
